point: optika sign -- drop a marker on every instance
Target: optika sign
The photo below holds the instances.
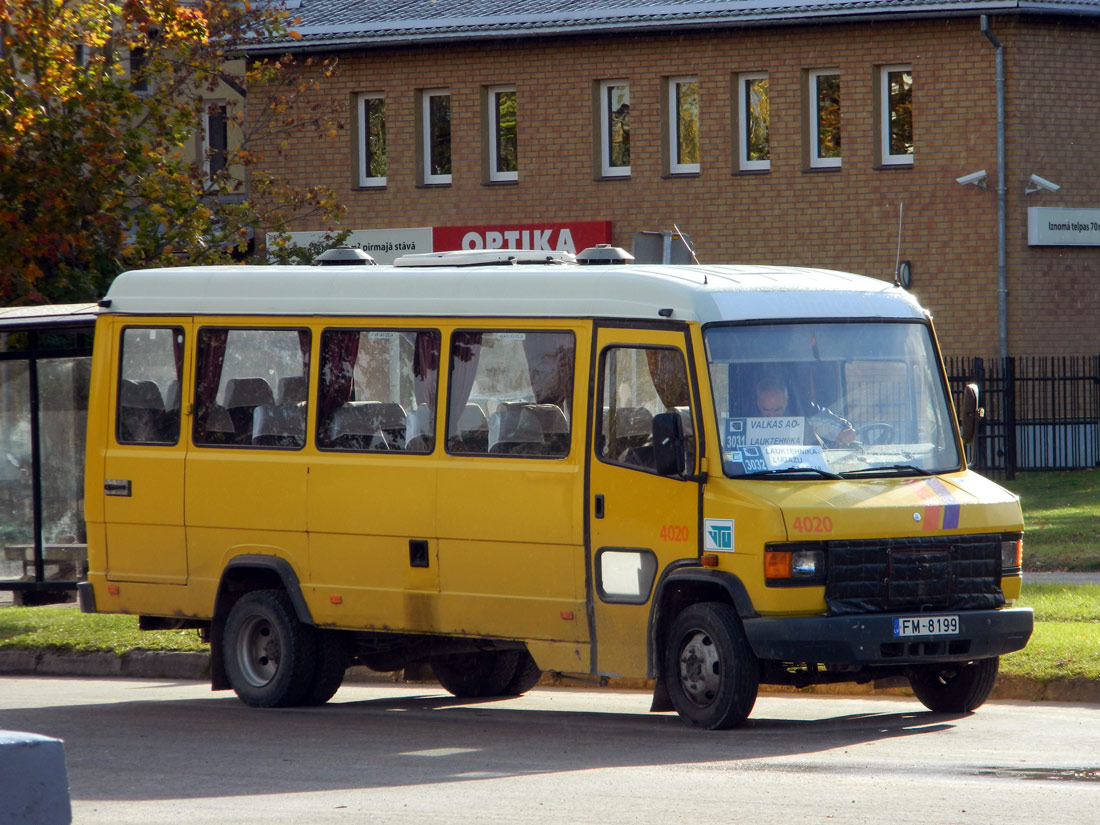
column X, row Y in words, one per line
column 553, row 237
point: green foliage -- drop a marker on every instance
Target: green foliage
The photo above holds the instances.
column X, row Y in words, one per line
column 101, row 101
column 66, row 629
column 1061, row 519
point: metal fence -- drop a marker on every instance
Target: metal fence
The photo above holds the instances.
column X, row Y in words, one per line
column 1040, row 413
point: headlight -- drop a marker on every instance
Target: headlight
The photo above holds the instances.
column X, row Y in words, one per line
column 794, row 565
column 1012, row 554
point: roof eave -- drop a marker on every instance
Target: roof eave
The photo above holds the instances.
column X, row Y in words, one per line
column 317, row 39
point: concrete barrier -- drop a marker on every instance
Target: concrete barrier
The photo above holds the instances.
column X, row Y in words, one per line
column 34, row 784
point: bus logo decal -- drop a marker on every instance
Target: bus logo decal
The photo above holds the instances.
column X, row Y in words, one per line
column 719, row 535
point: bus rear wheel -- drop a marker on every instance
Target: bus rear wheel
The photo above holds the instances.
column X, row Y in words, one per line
column 270, row 656
column 955, row 688
column 478, row 674
column 710, row 671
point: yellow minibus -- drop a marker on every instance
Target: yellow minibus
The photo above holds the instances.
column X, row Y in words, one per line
column 711, row 477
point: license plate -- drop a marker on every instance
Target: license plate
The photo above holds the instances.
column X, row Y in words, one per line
column 926, row 626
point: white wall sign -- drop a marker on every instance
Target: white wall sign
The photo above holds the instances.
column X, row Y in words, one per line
column 381, row 244
column 1048, row 226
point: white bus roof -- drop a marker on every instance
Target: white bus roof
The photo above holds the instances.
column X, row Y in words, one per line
column 704, row 294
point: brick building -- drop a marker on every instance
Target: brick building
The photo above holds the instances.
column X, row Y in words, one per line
column 801, row 134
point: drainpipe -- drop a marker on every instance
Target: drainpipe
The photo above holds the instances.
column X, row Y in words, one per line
column 1002, row 277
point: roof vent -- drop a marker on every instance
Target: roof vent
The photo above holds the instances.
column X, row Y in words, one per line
column 344, row 256
column 604, row 253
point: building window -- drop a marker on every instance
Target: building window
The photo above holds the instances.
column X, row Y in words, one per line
column 615, row 128
column 215, row 139
column 896, row 106
column 436, row 136
column 139, row 76
column 683, row 123
column 755, row 119
column 503, row 138
column 372, row 140
column 824, row 118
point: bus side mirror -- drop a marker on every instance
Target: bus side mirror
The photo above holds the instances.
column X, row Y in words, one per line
column 668, row 444
column 971, row 414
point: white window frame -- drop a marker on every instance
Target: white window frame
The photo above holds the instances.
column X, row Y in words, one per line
column 606, row 169
column 365, row 178
column 884, row 116
column 204, row 146
column 426, row 136
column 495, row 174
column 744, row 163
column 674, row 165
column 816, row 160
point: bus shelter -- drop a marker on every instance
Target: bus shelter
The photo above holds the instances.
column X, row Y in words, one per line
column 45, row 366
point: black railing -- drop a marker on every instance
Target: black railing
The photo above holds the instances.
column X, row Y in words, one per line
column 1040, row 413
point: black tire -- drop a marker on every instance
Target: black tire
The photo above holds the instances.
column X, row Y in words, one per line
column 956, row 688
column 270, row 657
column 474, row 675
column 527, row 675
column 332, row 664
column 710, row 671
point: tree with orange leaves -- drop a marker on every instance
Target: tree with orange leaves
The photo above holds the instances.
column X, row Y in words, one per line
column 100, row 102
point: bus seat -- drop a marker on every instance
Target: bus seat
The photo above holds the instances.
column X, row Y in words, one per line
column 515, row 431
column 141, row 417
column 555, row 427
column 242, row 397
column 631, row 428
column 391, row 421
column 473, row 429
column 355, row 426
column 418, row 429
column 279, row 425
column 293, row 389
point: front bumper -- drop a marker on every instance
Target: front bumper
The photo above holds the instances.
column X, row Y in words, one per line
column 869, row 639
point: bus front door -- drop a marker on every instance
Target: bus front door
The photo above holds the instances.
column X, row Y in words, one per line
column 639, row 521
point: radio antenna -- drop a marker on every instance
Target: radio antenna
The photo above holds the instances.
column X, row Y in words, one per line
column 897, row 260
column 687, row 246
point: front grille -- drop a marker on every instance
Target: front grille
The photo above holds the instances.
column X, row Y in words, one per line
column 914, row 574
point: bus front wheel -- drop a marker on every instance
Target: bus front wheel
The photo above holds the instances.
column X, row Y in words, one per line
column 710, row 670
column 270, row 656
column 957, row 688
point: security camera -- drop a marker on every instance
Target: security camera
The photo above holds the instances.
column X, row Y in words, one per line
column 976, row 178
column 1038, row 183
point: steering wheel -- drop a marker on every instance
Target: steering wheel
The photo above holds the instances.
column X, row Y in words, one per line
column 878, row 432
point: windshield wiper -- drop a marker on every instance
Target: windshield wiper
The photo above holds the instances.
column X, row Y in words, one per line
column 791, row 470
column 901, row 469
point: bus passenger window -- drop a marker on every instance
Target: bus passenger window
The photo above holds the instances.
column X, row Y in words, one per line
column 148, row 390
column 638, row 384
column 378, row 390
column 238, row 373
column 511, row 393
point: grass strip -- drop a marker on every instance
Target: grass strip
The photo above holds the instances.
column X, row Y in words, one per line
column 1061, row 519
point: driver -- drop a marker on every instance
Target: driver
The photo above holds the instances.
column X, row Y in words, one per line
column 827, row 426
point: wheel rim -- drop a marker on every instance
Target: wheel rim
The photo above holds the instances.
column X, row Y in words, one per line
column 700, row 668
column 258, row 651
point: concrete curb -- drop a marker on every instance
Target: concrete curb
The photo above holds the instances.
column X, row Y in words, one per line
column 152, row 664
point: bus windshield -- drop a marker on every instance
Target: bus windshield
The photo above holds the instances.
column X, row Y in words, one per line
column 830, row 399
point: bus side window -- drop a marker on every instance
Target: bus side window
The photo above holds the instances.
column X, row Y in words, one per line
column 378, row 390
column 639, row 383
column 237, row 374
column 148, row 391
column 510, row 393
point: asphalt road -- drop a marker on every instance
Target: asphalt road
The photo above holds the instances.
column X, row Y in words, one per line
column 173, row 752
